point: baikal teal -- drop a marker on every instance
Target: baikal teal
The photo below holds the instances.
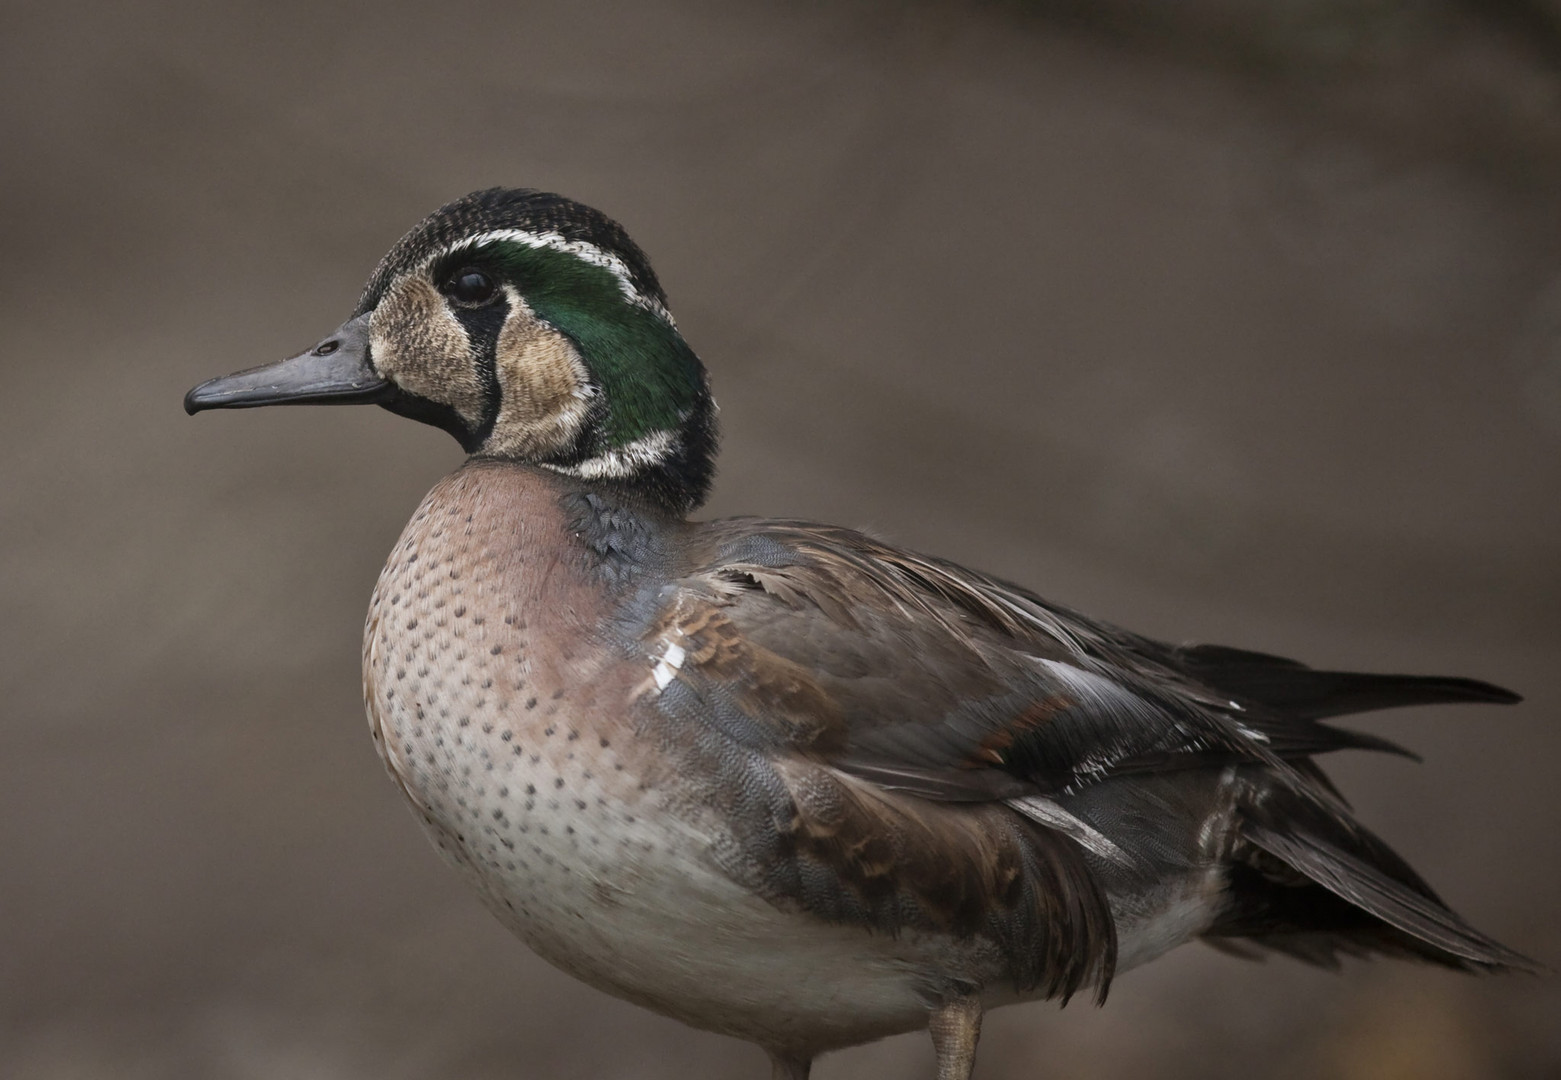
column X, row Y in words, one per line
column 778, row 779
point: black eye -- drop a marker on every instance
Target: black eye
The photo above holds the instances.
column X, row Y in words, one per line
column 470, row 287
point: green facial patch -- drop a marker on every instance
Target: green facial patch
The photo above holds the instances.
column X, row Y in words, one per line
column 650, row 378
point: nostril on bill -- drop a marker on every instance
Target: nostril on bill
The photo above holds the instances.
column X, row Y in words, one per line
column 325, row 348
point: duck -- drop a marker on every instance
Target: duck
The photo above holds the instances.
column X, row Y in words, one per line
column 782, row 780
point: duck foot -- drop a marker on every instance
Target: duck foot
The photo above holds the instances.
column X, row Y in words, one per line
column 955, row 1027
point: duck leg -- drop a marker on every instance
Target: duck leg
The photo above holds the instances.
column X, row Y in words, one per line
column 955, row 1027
column 788, row 1067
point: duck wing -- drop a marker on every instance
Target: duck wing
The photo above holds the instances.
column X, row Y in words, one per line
column 911, row 734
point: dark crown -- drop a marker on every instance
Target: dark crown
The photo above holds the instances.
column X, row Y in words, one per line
column 510, row 208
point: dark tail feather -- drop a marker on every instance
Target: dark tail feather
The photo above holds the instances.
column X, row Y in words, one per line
column 1290, row 738
column 1299, row 691
column 1312, row 885
column 1440, row 934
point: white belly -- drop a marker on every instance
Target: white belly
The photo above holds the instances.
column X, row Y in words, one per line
column 600, row 874
column 629, row 900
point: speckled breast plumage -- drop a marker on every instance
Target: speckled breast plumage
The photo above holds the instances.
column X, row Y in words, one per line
column 507, row 724
column 508, row 759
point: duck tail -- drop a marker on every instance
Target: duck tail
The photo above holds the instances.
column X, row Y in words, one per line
column 1297, row 691
column 1307, row 881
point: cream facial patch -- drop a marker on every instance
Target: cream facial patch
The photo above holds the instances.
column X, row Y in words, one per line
column 419, row 343
column 544, row 388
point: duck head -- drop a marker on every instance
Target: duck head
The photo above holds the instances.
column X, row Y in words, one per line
column 532, row 329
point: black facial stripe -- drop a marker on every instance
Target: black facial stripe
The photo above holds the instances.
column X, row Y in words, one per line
column 432, row 412
column 483, row 326
column 586, row 444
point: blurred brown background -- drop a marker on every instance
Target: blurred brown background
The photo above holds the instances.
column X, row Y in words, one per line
column 1225, row 321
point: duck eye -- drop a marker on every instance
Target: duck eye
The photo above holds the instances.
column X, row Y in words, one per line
column 470, row 287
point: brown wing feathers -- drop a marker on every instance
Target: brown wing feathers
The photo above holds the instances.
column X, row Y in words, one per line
column 881, row 706
column 842, row 848
column 866, row 855
column 998, row 681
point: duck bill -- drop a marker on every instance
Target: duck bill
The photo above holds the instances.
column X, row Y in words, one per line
column 337, row 371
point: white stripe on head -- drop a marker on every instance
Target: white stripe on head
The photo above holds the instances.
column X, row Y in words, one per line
column 625, row 461
column 580, row 249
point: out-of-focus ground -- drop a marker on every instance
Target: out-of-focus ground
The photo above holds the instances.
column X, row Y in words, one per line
column 1224, row 326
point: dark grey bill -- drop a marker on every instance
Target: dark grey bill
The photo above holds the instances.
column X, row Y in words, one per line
column 335, row 372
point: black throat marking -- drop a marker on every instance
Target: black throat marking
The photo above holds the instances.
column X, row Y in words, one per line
column 483, row 326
